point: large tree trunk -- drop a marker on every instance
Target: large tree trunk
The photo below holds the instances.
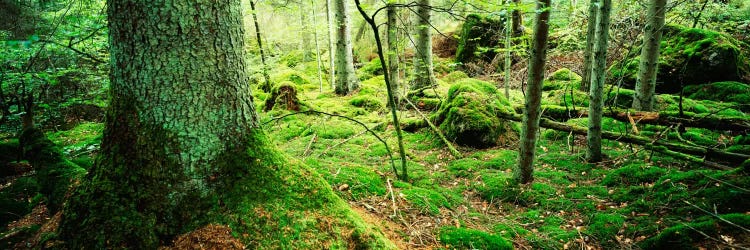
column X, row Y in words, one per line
column 392, row 31
column 507, row 65
column 530, row 123
column 182, row 146
column 346, row 79
column 424, row 75
column 645, row 84
column 587, row 52
column 598, row 75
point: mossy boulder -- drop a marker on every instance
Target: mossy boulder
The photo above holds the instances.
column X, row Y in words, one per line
column 370, row 69
column 563, row 78
column 735, row 92
column 464, row 238
column 454, row 76
column 693, row 56
column 291, row 75
column 480, row 38
column 468, row 116
column 366, row 101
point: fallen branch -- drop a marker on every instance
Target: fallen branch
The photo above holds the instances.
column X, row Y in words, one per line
column 676, row 150
column 666, row 118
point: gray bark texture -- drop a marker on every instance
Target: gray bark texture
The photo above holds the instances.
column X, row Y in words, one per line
column 532, row 114
column 598, row 76
column 424, row 75
column 346, row 78
column 645, row 84
column 590, row 40
column 393, row 50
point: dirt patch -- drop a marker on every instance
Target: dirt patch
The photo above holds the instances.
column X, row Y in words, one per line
column 209, row 237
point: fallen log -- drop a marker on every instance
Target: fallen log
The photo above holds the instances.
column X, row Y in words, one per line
column 686, row 152
column 691, row 120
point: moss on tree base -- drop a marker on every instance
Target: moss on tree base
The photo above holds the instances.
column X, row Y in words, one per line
column 269, row 201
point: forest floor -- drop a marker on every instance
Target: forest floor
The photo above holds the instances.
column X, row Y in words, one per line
column 634, row 199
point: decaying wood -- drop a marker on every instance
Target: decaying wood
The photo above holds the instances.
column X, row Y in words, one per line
column 691, row 120
column 685, row 152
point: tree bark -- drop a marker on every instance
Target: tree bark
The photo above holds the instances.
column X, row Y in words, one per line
column 267, row 87
column 599, row 73
column 182, row 147
column 645, row 84
column 507, row 65
column 317, row 45
column 393, row 67
column 517, row 19
column 530, row 123
column 588, row 51
column 331, row 47
column 424, row 75
column 346, row 79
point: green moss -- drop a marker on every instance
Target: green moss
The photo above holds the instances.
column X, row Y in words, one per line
column 468, row 116
column 621, row 98
column 426, row 200
column 464, row 167
column 564, row 74
column 454, row 76
column 360, row 181
column 269, row 200
column 735, row 92
column 693, row 56
column 54, row 172
column 462, row 238
column 370, row 69
column 562, row 97
column 498, row 186
column 687, row 235
column 605, row 226
column 367, row 102
column 634, row 174
column 290, row 75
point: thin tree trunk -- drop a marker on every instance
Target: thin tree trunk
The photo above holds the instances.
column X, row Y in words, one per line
column 331, row 47
column 645, row 84
column 599, row 73
column 346, row 79
column 532, row 114
column 391, row 97
column 508, row 27
column 317, row 45
column 423, row 59
column 266, row 77
column 590, row 39
column 393, row 62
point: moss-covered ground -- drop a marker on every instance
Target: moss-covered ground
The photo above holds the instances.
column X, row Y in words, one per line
column 634, row 199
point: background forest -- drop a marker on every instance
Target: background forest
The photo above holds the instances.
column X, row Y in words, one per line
column 433, row 163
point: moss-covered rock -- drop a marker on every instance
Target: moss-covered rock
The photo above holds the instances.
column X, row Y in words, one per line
column 479, row 39
column 735, row 92
column 464, row 238
column 468, row 116
column 367, row 102
column 370, row 69
column 693, row 56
